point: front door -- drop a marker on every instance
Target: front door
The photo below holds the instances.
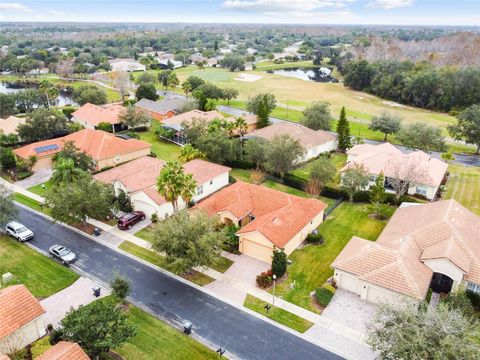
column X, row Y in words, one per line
column 441, row 283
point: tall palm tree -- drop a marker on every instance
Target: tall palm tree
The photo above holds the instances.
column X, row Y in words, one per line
column 173, row 184
column 65, row 171
column 241, row 125
column 50, row 91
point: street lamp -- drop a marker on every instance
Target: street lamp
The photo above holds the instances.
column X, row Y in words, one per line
column 273, row 299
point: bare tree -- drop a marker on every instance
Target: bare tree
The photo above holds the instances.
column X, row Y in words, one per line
column 65, row 68
column 121, row 81
column 401, row 176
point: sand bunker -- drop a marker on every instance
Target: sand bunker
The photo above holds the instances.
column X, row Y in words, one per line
column 393, row 104
column 248, row 77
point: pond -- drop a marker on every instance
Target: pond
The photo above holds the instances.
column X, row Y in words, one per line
column 64, row 97
column 320, row 74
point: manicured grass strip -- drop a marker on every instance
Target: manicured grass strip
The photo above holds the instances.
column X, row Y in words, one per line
column 463, row 185
column 279, row 315
column 158, row 260
column 31, row 203
column 157, row 340
column 39, row 190
column 222, row 265
column 40, row 274
column 145, row 234
column 310, row 266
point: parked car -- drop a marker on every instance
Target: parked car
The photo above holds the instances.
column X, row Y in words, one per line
column 127, row 221
column 19, row 231
column 61, row 253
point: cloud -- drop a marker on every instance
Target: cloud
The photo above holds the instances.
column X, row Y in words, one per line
column 389, row 4
column 269, row 7
column 56, row 13
column 14, row 6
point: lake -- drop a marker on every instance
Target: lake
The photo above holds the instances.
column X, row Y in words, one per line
column 64, row 97
column 321, row 74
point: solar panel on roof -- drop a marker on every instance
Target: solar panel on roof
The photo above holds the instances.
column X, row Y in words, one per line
column 42, row 149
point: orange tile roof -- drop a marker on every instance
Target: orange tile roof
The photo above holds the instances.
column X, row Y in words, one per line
column 307, row 137
column 64, row 350
column 278, row 216
column 18, row 307
column 387, row 158
column 141, row 174
column 96, row 143
column 4, row 357
column 414, row 235
column 94, row 114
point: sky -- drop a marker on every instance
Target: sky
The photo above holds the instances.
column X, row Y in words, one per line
column 375, row 12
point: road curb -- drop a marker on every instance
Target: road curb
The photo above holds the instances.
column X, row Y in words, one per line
column 186, row 282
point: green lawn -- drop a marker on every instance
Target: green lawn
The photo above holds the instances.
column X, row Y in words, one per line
column 223, row 264
column 279, row 315
column 463, row 185
column 270, row 65
column 337, row 159
column 244, row 175
column 146, row 234
column 158, row 260
column 39, row 190
column 311, row 265
column 31, row 203
column 163, row 149
column 40, row 274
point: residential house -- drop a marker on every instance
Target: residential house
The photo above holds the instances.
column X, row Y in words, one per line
column 434, row 245
column 21, row 319
column 425, row 174
column 315, row 142
column 175, row 123
column 155, row 109
column 268, row 218
column 138, row 179
column 166, row 63
column 128, row 65
column 104, row 148
column 64, row 350
column 197, row 57
column 212, row 62
column 9, row 125
column 90, row 115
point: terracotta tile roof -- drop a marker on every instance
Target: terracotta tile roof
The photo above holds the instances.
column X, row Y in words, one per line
column 415, row 234
column 4, row 357
column 307, row 137
column 96, row 143
column 387, row 158
column 64, row 351
column 18, row 307
column 207, row 116
column 10, row 124
column 94, row 114
column 278, row 216
column 141, row 174
column 250, row 119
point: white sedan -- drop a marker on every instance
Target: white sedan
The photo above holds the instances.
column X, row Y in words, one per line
column 19, row 231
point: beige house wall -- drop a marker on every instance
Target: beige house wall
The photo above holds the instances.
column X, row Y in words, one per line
column 23, row 336
column 42, row 163
column 121, row 158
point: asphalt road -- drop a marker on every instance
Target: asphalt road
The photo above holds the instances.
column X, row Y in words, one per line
column 240, row 333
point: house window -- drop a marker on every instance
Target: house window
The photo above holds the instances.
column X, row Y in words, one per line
column 421, row 191
column 372, row 178
column 200, row 190
column 475, row 288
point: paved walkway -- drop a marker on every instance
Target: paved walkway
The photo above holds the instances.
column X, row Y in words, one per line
column 79, row 293
column 37, row 178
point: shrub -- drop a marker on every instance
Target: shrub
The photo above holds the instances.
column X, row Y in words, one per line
column 105, row 126
column 68, row 111
column 154, row 218
column 315, row 239
column 129, row 102
column 56, row 335
column 133, row 135
column 257, row 176
column 462, row 302
column 264, row 280
column 120, row 287
column 324, row 294
column 384, row 212
column 334, row 193
column 40, row 346
column 361, row 196
column 474, row 298
column 124, row 202
column 279, row 262
column 231, row 243
column 23, row 175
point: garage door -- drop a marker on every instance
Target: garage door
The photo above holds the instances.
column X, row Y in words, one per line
column 146, row 208
column 257, row 251
column 350, row 283
column 376, row 295
column 43, row 163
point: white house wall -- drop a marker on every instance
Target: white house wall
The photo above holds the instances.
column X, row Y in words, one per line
column 23, row 336
column 212, row 186
column 315, row 151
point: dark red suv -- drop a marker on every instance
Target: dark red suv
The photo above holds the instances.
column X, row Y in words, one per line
column 127, row 221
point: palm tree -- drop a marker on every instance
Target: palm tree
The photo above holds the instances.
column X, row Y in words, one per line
column 187, row 87
column 65, row 171
column 241, row 125
column 173, row 184
column 173, row 80
column 49, row 90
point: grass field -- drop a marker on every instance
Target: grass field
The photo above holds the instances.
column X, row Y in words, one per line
column 270, row 65
column 337, row 159
column 279, row 315
column 164, row 150
column 40, row 274
column 310, row 266
column 31, row 203
column 39, row 189
column 158, row 260
column 463, row 185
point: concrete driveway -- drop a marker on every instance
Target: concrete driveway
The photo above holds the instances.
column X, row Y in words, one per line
column 351, row 311
column 245, row 268
column 79, row 293
column 38, row 177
